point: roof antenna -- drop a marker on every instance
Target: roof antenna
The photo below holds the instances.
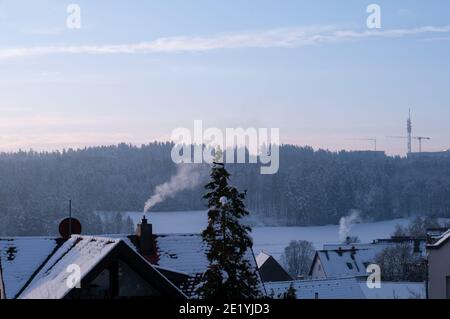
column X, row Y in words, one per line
column 70, row 217
column 69, row 226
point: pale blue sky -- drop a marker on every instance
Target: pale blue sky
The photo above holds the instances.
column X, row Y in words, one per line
column 142, row 68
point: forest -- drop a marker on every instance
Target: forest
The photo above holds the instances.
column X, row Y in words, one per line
column 312, row 187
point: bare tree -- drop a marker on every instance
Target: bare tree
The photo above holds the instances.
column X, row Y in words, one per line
column 399, row 263
column 417, row 227
column 297, row 257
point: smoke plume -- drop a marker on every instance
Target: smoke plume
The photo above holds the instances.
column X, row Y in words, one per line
column 346, row 223
column 188, row 176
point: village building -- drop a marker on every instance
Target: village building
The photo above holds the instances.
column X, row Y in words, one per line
column 439, row 267
column 270, row 269
column 341, row 263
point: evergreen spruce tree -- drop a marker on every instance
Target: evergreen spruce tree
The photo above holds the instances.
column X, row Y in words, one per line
column 291, row 293
column 229, row 274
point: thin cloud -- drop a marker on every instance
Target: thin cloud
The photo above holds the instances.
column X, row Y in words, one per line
column 274, row 38
column 30, row 122
column 58, row 141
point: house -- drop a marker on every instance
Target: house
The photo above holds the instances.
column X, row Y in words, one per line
column 270, row 269
column 417, row 244
column 341, row 263
column 337, row 260
column 43, row 268
column 118, row 266
column 346, row 288
column 439, row 267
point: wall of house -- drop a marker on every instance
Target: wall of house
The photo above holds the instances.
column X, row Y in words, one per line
column 438, row 271
column 99, row 288
column 132, row 284
column 317, row 270
column 272, row 271
column 2, row 294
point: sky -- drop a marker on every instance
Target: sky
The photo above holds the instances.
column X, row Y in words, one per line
column 135, row 71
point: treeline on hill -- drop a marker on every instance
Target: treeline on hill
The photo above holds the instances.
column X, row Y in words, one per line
column 311, row 187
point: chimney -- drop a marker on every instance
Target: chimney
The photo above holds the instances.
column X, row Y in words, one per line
column 145, row 236
column 348, row 240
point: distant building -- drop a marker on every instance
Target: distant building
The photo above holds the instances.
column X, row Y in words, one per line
column 341, row 263
column 439, row 267
column 142, row 265
column 270, row 269
column 417, row 245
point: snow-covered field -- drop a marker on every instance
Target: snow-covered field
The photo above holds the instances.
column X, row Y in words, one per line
column 270, row 239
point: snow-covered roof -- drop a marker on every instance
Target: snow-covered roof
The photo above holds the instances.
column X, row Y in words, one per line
column 187, row 253
column 442, row 239
column 37, row 267
column 262, row 258
column 20, row 258
column 395, row 290
column 336, row 288
column 347, row 288
column 52, row 281
column 182, row 252
column 342, row 263
column 379, row 247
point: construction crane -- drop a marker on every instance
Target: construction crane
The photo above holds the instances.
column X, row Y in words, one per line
column 374, row 140
column 419, row 138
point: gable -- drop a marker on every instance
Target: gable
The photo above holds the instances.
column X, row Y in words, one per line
column 271, row 270
column 94, row 255
column 317, row 270
column 51, row 281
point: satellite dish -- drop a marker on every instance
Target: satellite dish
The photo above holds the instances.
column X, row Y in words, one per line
column 69, row 226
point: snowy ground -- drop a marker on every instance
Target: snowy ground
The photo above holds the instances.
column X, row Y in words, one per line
column 270, row 239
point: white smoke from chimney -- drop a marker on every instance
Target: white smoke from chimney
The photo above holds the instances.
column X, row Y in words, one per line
column 346, row 223
column 188, row 176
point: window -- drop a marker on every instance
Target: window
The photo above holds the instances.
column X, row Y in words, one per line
column 131, row 284
column 416, row 246
column 99, row 288
column 350, row 266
